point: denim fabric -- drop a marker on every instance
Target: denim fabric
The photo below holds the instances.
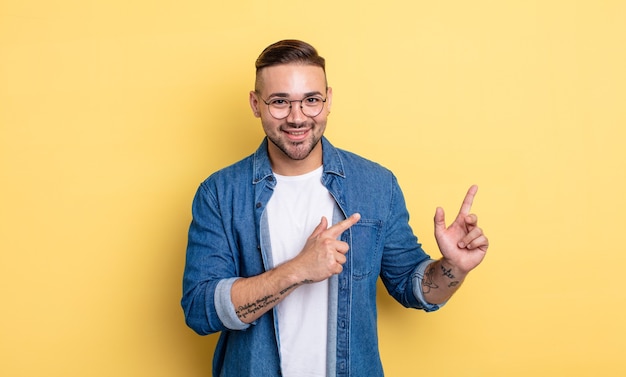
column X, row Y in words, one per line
column 228, row 239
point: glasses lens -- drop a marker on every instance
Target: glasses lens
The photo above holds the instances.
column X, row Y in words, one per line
column 279, row 112
column 312, row 106
column 279, row 108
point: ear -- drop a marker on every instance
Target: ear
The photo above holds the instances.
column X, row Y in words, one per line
column 254, row 104
column 329, row 98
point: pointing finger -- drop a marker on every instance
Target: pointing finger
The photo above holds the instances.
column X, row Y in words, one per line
column 335, row 230
column 468, row 201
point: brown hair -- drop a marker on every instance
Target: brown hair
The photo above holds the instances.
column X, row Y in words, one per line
column 286, row 52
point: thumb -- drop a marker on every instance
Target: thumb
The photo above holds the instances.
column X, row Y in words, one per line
column 322, row 226
column 440, row 220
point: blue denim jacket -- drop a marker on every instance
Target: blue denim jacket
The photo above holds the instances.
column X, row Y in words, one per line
column 229, row 239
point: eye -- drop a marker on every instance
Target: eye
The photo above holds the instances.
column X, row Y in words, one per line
column 279, row 102
column 312, row 100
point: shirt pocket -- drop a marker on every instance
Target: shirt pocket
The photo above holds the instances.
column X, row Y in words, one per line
column 365, row 249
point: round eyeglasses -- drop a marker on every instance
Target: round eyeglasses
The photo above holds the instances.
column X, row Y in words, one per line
column 280, row 108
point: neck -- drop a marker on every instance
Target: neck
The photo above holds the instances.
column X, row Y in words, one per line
column 284, row 165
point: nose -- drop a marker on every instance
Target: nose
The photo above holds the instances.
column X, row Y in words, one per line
column 296, row 115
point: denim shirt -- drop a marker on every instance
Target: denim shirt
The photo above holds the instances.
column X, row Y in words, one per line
column 229, row 239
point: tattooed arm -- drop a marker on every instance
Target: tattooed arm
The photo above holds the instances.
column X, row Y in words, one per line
column 441, row 281
column 322, row 256
column 463, row 246
column 255, row 296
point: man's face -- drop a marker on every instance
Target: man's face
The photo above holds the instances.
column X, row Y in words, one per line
column 296, row 136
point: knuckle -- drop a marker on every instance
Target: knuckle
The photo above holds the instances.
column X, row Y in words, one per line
column 327, row 242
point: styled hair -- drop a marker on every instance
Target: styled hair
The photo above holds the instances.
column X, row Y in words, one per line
column 288, row 51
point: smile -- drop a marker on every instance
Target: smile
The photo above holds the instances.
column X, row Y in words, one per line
column 297, row 135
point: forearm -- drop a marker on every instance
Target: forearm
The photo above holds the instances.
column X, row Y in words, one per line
column 322, row 256
column 252, row 297
column 441, row 280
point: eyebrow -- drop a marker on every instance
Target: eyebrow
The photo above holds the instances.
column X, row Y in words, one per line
column 287, row 95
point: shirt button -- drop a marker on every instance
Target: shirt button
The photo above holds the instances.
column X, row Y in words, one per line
column 259, row 205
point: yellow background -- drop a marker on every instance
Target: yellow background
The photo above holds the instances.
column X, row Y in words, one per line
column 112, row 112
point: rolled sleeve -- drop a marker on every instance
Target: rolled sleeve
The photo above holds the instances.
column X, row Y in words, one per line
column 418, row 278
column 224, row 305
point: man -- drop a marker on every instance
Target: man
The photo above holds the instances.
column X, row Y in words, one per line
column 285, row 247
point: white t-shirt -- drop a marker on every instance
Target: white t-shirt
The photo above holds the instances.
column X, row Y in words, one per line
column 294, row 211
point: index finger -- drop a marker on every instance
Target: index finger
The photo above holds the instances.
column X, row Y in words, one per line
column 468, row 201
column 335, row 230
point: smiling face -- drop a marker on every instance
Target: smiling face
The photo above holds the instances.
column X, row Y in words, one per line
column 294, row 146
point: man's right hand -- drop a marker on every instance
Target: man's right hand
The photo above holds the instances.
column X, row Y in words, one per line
column 323, row 254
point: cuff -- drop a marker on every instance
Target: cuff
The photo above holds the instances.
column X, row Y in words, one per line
column 224, row 306
column 418, row 277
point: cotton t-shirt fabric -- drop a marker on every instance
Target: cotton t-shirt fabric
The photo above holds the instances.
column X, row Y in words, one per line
column 294, row 211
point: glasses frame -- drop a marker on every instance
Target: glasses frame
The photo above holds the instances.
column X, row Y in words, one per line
column 269, row 108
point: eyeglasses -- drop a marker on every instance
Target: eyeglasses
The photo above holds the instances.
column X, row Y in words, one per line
column 280, row 108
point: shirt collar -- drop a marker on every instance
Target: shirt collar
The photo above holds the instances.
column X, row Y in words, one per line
column 263, row 169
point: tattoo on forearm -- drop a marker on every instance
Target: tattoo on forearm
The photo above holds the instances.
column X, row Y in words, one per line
column 448, row 273
column 427, row 282
column 288, row 288
column 255, row 306
column 252, row 307
column 306, row 281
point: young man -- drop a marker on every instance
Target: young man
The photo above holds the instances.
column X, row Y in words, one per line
column 285, row 247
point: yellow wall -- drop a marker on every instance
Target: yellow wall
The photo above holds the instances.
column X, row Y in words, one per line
column 112, row 112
